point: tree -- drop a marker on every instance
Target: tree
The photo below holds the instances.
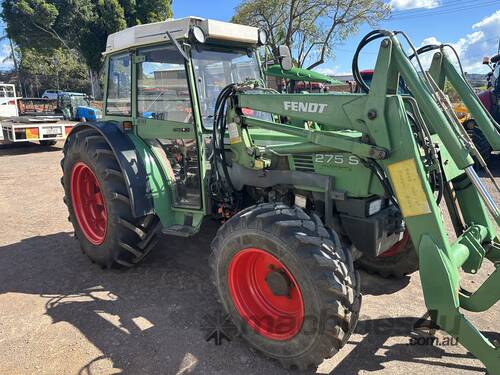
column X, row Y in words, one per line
column 12, row 56
column 54, row 70
column 79, row 26
column 310, row 28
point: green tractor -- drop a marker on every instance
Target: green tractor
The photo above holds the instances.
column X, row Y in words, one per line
column 303, row 184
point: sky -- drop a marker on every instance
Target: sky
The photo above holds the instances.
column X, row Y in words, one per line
column 472, row 26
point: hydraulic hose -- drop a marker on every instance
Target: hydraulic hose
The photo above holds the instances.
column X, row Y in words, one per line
column 368, row 38
column 218, row 157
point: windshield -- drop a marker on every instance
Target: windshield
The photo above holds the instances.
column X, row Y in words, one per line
column 80, row 101
column 216, row 68
column 7, row 92
column 402, row 89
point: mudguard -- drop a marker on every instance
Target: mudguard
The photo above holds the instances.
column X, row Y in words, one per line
column 132, row 166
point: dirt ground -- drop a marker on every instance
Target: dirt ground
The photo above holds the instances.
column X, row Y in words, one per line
column 61, row 314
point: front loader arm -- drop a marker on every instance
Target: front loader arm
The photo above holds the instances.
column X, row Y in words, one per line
column 388, row 138
column 442, row 69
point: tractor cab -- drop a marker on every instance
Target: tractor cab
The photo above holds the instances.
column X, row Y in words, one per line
column 164, row 78
column 491, row 96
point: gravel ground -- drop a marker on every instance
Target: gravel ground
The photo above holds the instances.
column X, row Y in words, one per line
column 61, row 314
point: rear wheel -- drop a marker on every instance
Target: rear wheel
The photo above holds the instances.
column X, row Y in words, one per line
column 289, row 287
column 99, row 206
column 400, row 260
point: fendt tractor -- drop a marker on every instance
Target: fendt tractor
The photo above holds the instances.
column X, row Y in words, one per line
column 303, row 184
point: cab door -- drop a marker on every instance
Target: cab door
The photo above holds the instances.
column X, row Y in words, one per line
column 165, row 120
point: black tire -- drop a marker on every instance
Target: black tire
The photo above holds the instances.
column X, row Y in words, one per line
column 47, row 143
column 479, row 140
column 127, row 240
column 323, row 270
column 404, row 262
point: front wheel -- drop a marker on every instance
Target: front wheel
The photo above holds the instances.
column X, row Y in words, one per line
column 289, row 287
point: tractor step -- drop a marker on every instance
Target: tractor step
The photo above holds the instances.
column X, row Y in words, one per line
column 179, row 231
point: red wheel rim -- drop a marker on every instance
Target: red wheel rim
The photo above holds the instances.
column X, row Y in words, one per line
column 88, row 203
column 398, row 246
column 278, row 317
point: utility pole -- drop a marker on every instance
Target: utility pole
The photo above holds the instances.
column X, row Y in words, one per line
column 16, row 67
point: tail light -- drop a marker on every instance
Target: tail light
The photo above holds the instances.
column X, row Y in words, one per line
column 32, row 133
column 247, row 111
column 11, row 102
column 67, row 129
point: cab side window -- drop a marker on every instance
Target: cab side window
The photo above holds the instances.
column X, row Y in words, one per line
column 119, row 100
column 162, row 87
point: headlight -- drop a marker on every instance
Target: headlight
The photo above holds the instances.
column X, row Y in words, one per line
column 197, row 34
column 262, row 39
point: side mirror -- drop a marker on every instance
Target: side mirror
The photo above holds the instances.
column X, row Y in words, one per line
column 486, row 60
column 285, row 58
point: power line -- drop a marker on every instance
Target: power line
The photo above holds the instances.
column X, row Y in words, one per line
column 468, row 4
column 442, row 6
column 444, row 11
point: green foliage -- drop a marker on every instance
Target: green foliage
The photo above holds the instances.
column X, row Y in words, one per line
column 139, row 12
column 311, row 28
column 56, row 69
column 81, row 26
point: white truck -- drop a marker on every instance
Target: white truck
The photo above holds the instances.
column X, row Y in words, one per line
column 46, row 130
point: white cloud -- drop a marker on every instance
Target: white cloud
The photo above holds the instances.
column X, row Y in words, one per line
column 482, row 41
column 332, row 71
column 413, row 4
column 492, row 22
column 426, row 58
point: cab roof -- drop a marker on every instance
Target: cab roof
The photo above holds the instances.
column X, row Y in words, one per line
column 152, row 33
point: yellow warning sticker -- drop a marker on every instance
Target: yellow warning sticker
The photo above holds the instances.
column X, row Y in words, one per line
column 408, row 188
column 234, row 135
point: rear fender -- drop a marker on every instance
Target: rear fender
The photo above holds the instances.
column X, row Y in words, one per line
column 131, row 164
